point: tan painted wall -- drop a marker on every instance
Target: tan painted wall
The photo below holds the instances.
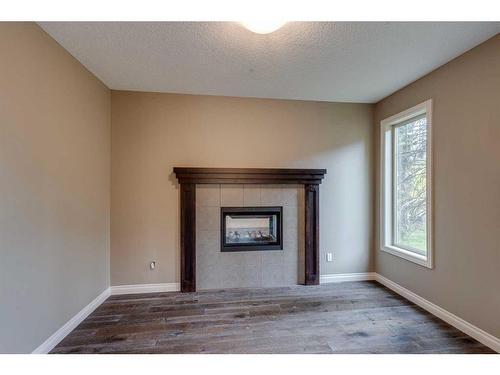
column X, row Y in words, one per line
column 466, row 131
column 54, row 187
column 152, row 133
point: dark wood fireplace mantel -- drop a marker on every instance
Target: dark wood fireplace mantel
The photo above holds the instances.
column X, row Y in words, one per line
column 190, row 177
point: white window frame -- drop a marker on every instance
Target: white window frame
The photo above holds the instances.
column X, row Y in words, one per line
column 387, row 185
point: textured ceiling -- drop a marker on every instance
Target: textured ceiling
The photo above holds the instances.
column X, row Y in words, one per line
column 328, row 61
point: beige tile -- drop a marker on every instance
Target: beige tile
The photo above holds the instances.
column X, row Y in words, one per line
column 291, row 234
column 250, row 269
column 232, row 195
column 291, row 240
column 271, row 195
column 208, row 277
column 208, row 195
column 274, row 257
column 290, row 218
column 251, row 195
column 208, row 238
column 242, row 277
column 208, row 218
column 273, row 275
column 206, row 259
column 290, row 273
column 291, row 195
column 290, row 252
column 207, row 249
column 240, row 258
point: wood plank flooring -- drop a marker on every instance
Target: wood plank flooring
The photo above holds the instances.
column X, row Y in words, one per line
column 352, row 317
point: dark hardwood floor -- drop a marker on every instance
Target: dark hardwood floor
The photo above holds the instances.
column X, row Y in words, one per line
column 353, row 317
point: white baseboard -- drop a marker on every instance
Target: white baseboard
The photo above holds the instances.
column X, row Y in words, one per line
column 457, row 322
column 71, row 324
column 340, row 277
column 144, row 288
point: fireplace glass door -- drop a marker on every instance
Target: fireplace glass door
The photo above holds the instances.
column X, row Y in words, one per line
column 251, row 228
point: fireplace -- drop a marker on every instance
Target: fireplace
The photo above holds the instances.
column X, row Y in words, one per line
column 189, row 177
column 251, row 228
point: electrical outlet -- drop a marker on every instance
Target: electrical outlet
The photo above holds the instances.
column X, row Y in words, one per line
column 329, row 257
column 152, row 265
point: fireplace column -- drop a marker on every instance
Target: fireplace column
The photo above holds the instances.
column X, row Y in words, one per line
column 188, row 238
column 311, row 234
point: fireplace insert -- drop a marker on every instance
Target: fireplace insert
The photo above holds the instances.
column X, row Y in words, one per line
column 251, row 228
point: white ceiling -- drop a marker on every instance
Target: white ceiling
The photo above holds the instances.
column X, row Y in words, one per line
column 327, row 61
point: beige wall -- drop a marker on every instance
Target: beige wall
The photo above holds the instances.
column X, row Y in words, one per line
column 54, row 187
column 152, row 133
column 466, row 134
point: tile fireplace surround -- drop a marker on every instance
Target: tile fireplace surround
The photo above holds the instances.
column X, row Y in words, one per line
column 216, row 269
column 199, row 223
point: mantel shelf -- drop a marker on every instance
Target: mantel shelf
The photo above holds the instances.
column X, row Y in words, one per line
column 187, row 175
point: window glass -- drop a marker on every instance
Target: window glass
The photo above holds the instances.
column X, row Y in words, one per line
column 410, row 187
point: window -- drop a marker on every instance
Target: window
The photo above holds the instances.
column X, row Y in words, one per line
column 406, row 210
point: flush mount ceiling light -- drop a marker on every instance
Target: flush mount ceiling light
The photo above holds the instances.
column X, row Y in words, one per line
column 263, row 26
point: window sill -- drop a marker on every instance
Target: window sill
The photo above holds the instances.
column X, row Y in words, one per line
column 408, row 255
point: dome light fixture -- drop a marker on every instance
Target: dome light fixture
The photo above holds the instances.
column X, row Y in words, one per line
column 263, row 26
